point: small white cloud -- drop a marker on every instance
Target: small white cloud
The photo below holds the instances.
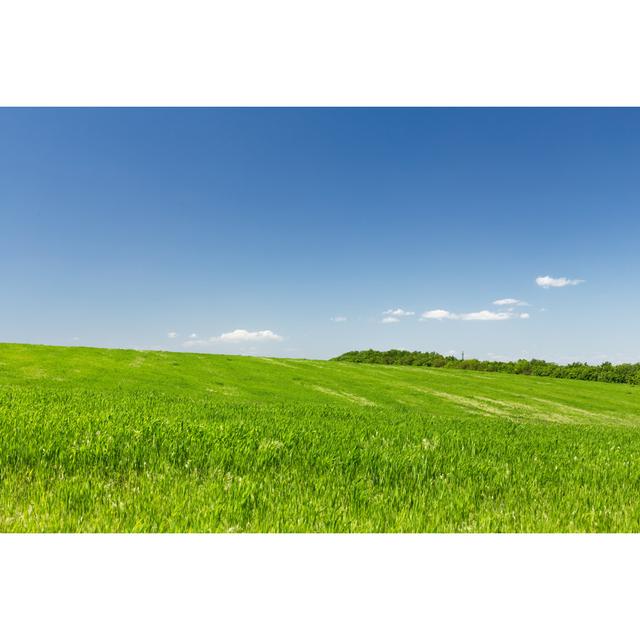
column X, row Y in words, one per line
column 487, row 315
column 397, row 313
column 172, row 334
column 547, row 281
column 439, row 314
column 193, row 335
column 237, row 335
column 442, row 314
column 525, row 316
column 510, row 302
column 242, row 335
column 338, row 319
column 390, row 320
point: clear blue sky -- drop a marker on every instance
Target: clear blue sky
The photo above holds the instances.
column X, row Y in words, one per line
column 141, row 227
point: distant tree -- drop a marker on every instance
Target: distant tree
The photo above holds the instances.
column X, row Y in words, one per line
column 605, row 372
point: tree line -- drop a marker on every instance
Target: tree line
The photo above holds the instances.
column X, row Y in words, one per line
column 605, row 372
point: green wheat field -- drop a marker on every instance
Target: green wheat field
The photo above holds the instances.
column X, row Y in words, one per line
column 102, row 440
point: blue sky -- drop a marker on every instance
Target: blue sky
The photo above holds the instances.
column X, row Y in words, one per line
column 290, row 232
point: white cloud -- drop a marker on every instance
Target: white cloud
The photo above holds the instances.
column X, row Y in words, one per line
column 390, row 319
column 339, row 319
column 397, row 313
column 442, row 314
column 172, row 334
column 236, row 336
column 439, row 314
column 487, row 315
column 510, row 302
column 547, row 281
column 242, row 335
column 193, row 335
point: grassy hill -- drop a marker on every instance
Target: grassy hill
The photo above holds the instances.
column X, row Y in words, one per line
column 117, row 440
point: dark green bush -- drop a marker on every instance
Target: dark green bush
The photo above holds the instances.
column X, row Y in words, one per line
column 605, row 372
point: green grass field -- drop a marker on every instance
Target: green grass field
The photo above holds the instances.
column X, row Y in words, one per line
column 125, row 441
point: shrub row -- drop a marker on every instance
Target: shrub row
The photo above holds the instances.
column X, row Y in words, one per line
column 605, row 372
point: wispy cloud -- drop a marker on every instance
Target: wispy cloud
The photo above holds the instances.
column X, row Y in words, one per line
column 242, row 335
column 439, row 314
column 172, row 334
column 237, row 336
column 510, row 302
column 390, row 320
column 339, row 319
column 398, row 313
column 484, row 315
column 547, row 281
column 487, row 315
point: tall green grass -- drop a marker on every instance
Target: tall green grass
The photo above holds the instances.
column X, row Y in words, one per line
column 104, row 440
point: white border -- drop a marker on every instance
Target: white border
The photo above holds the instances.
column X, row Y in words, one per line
column 329, row 52
column 318, row 586
column 250, row 52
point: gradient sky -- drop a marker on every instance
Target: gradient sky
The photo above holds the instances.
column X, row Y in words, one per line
column 175, row 228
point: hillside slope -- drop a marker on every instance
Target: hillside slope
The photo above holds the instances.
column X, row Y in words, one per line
column 116, row 440
column 218, row 378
